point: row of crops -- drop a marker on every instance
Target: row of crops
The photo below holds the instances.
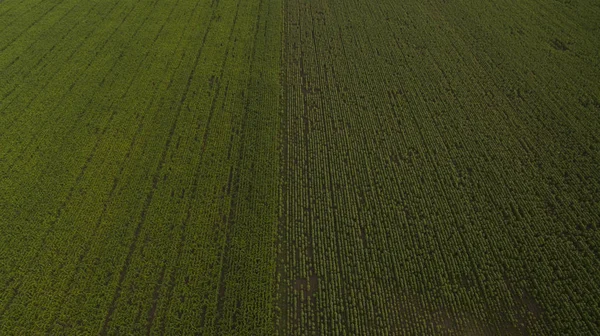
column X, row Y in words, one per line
column 441, row 168
column 299, row 167
column 138, row 149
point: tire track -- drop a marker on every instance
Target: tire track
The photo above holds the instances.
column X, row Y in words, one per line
column 63, row 205
column 136, row 234
column 82, row 74
column 7, row 9
column 121, row 169
column 28, row 27
column 51, row 77
column 149, row 197
column 22, row 14
column 195, row 181
column 40, row 37
column 225, row 254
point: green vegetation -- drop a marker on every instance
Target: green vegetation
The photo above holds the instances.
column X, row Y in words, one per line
column 299, row 167
column 136, row 188
column 442, row 168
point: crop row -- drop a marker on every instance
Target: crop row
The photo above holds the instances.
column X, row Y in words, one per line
column 432, row 182
column 138, row 157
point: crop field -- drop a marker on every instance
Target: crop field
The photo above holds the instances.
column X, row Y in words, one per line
column 139, row 150
column 442, row 168
column 299, row 167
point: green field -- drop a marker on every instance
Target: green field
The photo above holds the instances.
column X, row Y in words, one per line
column 299, row 167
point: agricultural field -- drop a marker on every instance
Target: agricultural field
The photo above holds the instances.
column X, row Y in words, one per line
column 137, row 159
column 299, row 167
column 441, row 170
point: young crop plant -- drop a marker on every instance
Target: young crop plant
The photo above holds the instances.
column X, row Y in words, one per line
column 295, row 167
column 138, row 156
